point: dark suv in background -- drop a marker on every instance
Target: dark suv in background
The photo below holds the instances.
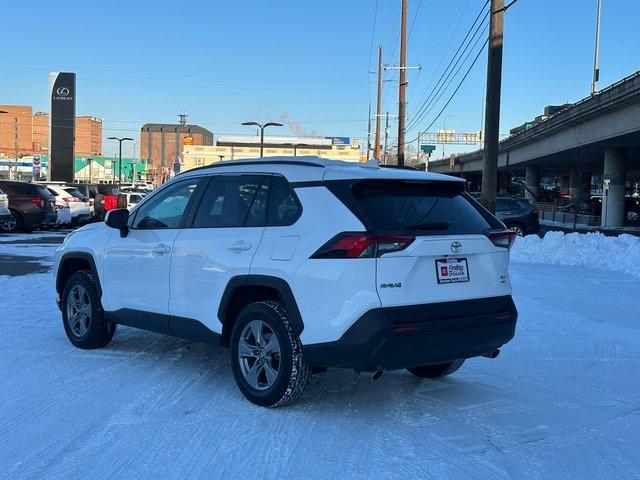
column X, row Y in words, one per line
column 30, row 205
column 518, row 214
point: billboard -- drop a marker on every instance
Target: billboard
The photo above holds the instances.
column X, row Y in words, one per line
column 62, row 124
column 339, row 140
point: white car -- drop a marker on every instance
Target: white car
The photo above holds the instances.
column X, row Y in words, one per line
column 5, row 213
column 70, row 197
column 133, row 198
column 298, row 264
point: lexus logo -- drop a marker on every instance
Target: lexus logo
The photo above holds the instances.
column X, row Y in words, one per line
column 456, row 247
column 62, row 91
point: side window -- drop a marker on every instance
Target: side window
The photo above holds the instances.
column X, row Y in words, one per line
column 284, row 208
column 166, row 209
column 230, row 201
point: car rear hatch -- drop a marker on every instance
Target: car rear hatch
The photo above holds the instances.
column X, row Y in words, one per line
column 432, row 242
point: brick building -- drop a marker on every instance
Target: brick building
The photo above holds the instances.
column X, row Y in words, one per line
column 88, row 136
column 40, row 132
column 18, row 117
column 162, row 144
column 33, row 132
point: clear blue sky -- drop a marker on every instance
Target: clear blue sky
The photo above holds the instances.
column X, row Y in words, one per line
column 301, row 61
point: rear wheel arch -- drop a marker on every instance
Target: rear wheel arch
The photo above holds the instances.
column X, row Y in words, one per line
column 244, row 290
column 73, row 262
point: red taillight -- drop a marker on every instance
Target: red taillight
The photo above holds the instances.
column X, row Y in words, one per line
column 362, row 245
column 502, row 238
column 71, row 199
column 38, row 201
column 535, row 212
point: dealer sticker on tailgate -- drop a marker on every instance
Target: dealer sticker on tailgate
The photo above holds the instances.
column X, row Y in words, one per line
column 452, row 270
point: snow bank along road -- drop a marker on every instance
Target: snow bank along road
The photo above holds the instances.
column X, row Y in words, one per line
column 562, row 401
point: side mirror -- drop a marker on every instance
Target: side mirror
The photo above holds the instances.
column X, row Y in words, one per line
column 118, row 219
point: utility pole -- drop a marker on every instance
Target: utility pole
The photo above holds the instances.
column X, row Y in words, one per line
column 368, row 133
column 15, row 146
column 376, row 151
column 492, row 114
column 596, row 55
column 386, row 137
column 403, row 83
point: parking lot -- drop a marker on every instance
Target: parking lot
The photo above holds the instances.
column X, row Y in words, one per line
column 155, row 407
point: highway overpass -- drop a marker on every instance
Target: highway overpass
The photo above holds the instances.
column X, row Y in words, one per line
column 599, row 135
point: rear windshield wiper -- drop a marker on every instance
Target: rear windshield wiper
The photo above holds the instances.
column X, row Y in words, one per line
column 430, row 226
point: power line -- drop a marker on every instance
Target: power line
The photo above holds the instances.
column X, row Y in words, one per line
column 451, row 66
column 437, row 94
column 456, row 89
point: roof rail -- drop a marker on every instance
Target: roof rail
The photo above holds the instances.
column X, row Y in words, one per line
column 279, row 161
column 401, row 167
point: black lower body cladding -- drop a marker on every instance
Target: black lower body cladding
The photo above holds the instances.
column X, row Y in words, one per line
column 403, row 337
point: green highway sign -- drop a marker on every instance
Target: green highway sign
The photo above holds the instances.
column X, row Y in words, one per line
column 428, row 148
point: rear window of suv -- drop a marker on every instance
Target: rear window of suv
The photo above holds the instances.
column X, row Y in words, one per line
column 421, row 207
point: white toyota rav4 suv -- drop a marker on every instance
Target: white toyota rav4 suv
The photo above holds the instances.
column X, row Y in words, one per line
column 298, row 264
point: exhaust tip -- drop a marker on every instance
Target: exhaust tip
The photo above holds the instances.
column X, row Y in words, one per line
column 493, row 354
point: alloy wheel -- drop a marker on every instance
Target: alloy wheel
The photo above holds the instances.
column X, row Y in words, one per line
column 9, row 225
column 259, row 355
column 78, row 310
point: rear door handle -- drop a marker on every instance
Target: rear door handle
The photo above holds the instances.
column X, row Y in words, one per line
column 239, row 247
column 160, row 250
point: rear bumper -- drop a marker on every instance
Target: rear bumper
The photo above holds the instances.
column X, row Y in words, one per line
column 401, row 337
column 81, row 218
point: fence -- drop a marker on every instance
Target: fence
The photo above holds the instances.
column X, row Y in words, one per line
column 550, row 212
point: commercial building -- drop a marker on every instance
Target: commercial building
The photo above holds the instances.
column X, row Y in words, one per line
column 162, row 145
column 40, row 132
column 239, row 147
column 88, row 136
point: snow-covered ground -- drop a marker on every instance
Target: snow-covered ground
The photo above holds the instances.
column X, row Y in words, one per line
column 561, row 401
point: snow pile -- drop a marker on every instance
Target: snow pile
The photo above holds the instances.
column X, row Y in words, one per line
column 580, row 249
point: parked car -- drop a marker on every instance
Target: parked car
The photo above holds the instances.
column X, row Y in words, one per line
column 111, row 197
column 70, row 197
column 30, row 205
column 5, row 214
column 133, row 198
column 298, row 265
column 518, row 214
column 95, row 199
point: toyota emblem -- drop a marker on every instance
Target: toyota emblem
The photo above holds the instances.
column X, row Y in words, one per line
column 456, row 247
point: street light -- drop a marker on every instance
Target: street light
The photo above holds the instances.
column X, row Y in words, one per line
column 120, row 140
column 262, row 127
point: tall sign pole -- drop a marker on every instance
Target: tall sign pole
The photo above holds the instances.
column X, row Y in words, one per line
column 376, row 151
column 492, row 112
column 62, row 124
column 403, row 83
column 596, row 55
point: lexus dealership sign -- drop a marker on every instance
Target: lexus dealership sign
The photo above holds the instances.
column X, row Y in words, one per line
column 62, row 124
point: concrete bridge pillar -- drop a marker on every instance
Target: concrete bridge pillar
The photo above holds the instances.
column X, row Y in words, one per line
column 613, row 187
column 532, row 181
column 576, row 185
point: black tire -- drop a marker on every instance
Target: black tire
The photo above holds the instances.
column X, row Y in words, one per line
column 10, row 227
column 293, row 373
column 437, row 370
column 99, row 331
